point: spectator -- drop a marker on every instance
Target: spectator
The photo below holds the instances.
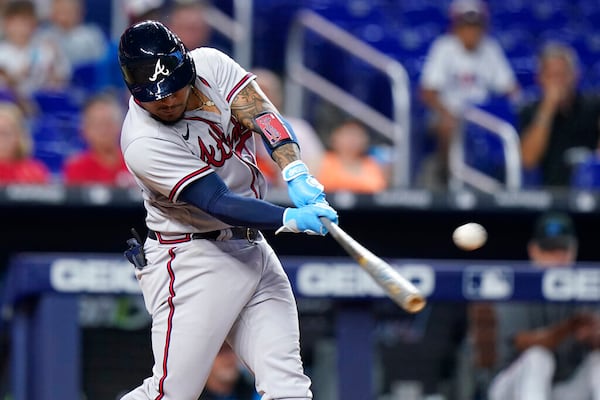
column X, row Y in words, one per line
column 102, row 162
column 29, row 62
column 548, row 350
column 563, row 119
column 347, row 166
column 81, row 42
column 16, row 162
column 141, row 10
column 311, row 146
column 226, row 380
column 462, row 67
column 187, row 18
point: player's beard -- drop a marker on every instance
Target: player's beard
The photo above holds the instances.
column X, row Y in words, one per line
column 175, row 119
column 170, row 121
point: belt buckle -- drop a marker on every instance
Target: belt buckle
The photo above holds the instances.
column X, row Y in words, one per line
column 251, row 235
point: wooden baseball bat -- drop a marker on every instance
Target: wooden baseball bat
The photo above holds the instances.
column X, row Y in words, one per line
column 398, row 288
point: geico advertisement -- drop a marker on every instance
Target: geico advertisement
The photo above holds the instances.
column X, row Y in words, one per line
column 319, row 279
column 349, row 280
column 91, row 275
column 562, row 284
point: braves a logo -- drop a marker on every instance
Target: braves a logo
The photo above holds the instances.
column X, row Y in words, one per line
column 215, row 153
column 217, row 147
column 159, row 69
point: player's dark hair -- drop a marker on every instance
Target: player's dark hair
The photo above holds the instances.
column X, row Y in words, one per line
column 19, row 7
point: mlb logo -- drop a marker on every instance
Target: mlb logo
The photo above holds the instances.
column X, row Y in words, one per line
column 488, row 283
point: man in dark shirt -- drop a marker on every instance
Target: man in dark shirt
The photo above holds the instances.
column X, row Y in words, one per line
column 226, row 380
column 563, row 119
column 548, row 351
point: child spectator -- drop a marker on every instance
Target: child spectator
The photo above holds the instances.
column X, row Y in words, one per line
column 141, row 10
column 29, row 62
column 310, row 143
column 347, row 166
column 81, row 42
column 102, row 162
column 188, row 20
column 16, row 162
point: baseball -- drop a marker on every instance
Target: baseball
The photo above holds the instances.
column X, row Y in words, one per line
column 469, row 236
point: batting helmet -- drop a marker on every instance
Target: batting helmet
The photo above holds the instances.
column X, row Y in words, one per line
column 154, row 61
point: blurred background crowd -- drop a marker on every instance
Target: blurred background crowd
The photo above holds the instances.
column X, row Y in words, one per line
column 531, row 69
column 533, row 66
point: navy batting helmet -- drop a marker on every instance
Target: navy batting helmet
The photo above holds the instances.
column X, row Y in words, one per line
column 154, row 61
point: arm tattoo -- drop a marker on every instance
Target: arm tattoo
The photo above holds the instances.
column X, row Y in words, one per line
column 285, row 154
column 249, row 102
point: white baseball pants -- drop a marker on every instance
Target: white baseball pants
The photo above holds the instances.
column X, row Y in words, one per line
column 530, row 378
column 203, row 292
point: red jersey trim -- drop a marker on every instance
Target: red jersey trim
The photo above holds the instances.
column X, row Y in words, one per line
column 204, row 81
column 161, row 239
column 241, row 83
column 186, row 179
column 161, row 384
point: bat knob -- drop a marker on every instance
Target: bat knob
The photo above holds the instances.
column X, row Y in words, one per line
column 414, row 303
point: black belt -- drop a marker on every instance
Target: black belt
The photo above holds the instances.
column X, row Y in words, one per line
column 250, row 234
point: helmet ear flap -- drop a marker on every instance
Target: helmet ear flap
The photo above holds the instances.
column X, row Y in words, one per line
column 154, row 61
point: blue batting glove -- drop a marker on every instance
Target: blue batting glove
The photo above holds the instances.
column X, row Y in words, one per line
column 303, row 188
column 306, row 219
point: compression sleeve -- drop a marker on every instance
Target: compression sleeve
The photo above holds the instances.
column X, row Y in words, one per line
column 212, row 195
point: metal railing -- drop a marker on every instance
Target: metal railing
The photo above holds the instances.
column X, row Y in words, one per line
column 237, row 29
column 300, row 78
column 461, row 173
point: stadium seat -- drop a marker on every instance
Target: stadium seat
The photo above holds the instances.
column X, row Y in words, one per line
column 483, row 149
column 56, row 137
column 586, row 175
column 85, row 77
column 419, row 12
column 549, row 13
column 515, row 42
column 511, row 16
column 525, row 70
column 531, row 178
column 7, row 95
column 58, row 102
column 349, row 14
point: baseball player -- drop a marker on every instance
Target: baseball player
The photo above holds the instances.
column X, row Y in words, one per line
column 206, row 272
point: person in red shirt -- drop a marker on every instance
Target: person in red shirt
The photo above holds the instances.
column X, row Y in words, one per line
column 17, row 165
column 102, row 162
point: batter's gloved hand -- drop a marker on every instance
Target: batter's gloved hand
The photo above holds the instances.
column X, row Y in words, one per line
column 306, row 219
column 303, row 188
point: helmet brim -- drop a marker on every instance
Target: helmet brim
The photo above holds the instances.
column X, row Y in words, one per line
column 153, row 91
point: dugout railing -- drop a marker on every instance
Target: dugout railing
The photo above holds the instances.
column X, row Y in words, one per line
column 463, row 174
column 301, row 78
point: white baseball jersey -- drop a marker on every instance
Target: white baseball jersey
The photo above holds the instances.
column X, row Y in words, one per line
column 466, row 77
column 164, row 159
column 202, row 292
